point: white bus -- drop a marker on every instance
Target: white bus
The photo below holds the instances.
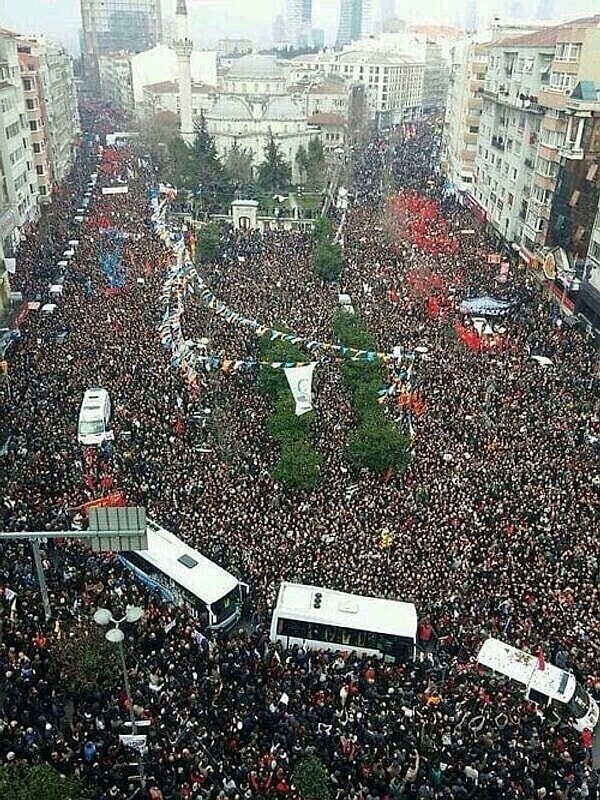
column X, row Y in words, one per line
column 324, row 619
column 548, row 686
column 183, row 576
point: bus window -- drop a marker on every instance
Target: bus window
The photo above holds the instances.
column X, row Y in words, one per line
column 292, row 627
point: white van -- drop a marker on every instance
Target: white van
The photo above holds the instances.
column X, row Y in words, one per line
column 94, row 417
column 545, row 684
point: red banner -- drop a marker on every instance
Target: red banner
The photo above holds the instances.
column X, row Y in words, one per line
column 112, row 500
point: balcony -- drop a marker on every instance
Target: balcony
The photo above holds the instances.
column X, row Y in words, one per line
column 570, row 152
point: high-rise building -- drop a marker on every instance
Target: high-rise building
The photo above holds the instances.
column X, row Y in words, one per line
column 388, row 11
column 463, row 114
column 545, row 10
column 535, row 154
column 278, row 31
column 471, row 16
column 298, row 22
column 111, row 26
column 51, row 107
column 18, row 184
column 356, row 21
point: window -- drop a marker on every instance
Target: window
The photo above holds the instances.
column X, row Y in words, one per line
column 562, row 81
column 37, row 147
column 33, row 126
column 27, row 84
column 39, row 169
column 30, row 104
column 11, row 130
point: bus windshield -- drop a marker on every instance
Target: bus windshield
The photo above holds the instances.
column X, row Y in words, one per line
column 226, row 606
column 579, row 704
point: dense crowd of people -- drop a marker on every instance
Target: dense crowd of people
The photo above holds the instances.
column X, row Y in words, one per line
column 492, row 526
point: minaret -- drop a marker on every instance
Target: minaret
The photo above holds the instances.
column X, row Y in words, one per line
column 183, row 47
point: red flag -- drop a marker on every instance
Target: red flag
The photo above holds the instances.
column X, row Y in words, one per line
column 541, row 661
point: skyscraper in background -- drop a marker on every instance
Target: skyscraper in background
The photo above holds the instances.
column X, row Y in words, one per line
column 298, row 22
column 388, row 10
column 545, row 10
column 471, row 16
column 356, row 21
column 111, row 26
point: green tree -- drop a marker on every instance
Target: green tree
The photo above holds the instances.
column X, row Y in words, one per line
column 84, row 658
column 315, row 172
column 302, row 162
column 180, row 172
column 322, row 230
column 207, row 242
column 298, row 465
column 377, row 445
column 208, row 172
column 238, row 165
column 37, row 782
column 310, row 776
column 327, row 261
column 283, row 424
column 274, row 174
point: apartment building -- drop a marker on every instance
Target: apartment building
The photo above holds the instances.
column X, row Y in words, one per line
column 51, row 108
column 19, row 191
column 464, row 106
column 509, row 130
column 534, row 123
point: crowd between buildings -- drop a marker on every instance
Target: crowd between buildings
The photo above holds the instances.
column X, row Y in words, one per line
column 493, row 525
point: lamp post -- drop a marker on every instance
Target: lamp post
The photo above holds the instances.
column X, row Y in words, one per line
column 115, row 635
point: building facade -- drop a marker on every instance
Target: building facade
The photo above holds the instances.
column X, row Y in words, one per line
column 507, row 160
column 124, row 76
column 112, row 26
column 19, row 190
column 232, row 48
column 436, row 75
column 464, row 106
column 393, row 80
column 51, row 107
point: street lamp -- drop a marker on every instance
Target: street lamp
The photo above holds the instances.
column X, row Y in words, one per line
column 104, row 617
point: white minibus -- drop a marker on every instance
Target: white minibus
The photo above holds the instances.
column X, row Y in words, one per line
column 545, row 684
column 325, row 619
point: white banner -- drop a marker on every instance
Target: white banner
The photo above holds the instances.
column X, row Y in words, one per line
column 136, row 741
column 115, row 189
column 300, row 381
column 11, row 265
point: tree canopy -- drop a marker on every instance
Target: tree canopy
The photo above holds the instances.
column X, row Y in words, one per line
column 37, row 782
column 274, row 174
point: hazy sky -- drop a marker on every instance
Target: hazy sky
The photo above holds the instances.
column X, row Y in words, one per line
column 211, row 19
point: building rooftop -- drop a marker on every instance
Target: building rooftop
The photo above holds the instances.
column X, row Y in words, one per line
column 257, row 67
column 230, row 107
column 324, row 119
column 172, row 87
column 323, row 87
column 376, row 57
column 547, row 37
column 283, row 108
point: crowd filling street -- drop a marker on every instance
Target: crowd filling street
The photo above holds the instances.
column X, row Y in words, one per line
column 492, row 527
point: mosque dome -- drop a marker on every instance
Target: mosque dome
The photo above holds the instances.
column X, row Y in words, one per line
column 255, row 67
